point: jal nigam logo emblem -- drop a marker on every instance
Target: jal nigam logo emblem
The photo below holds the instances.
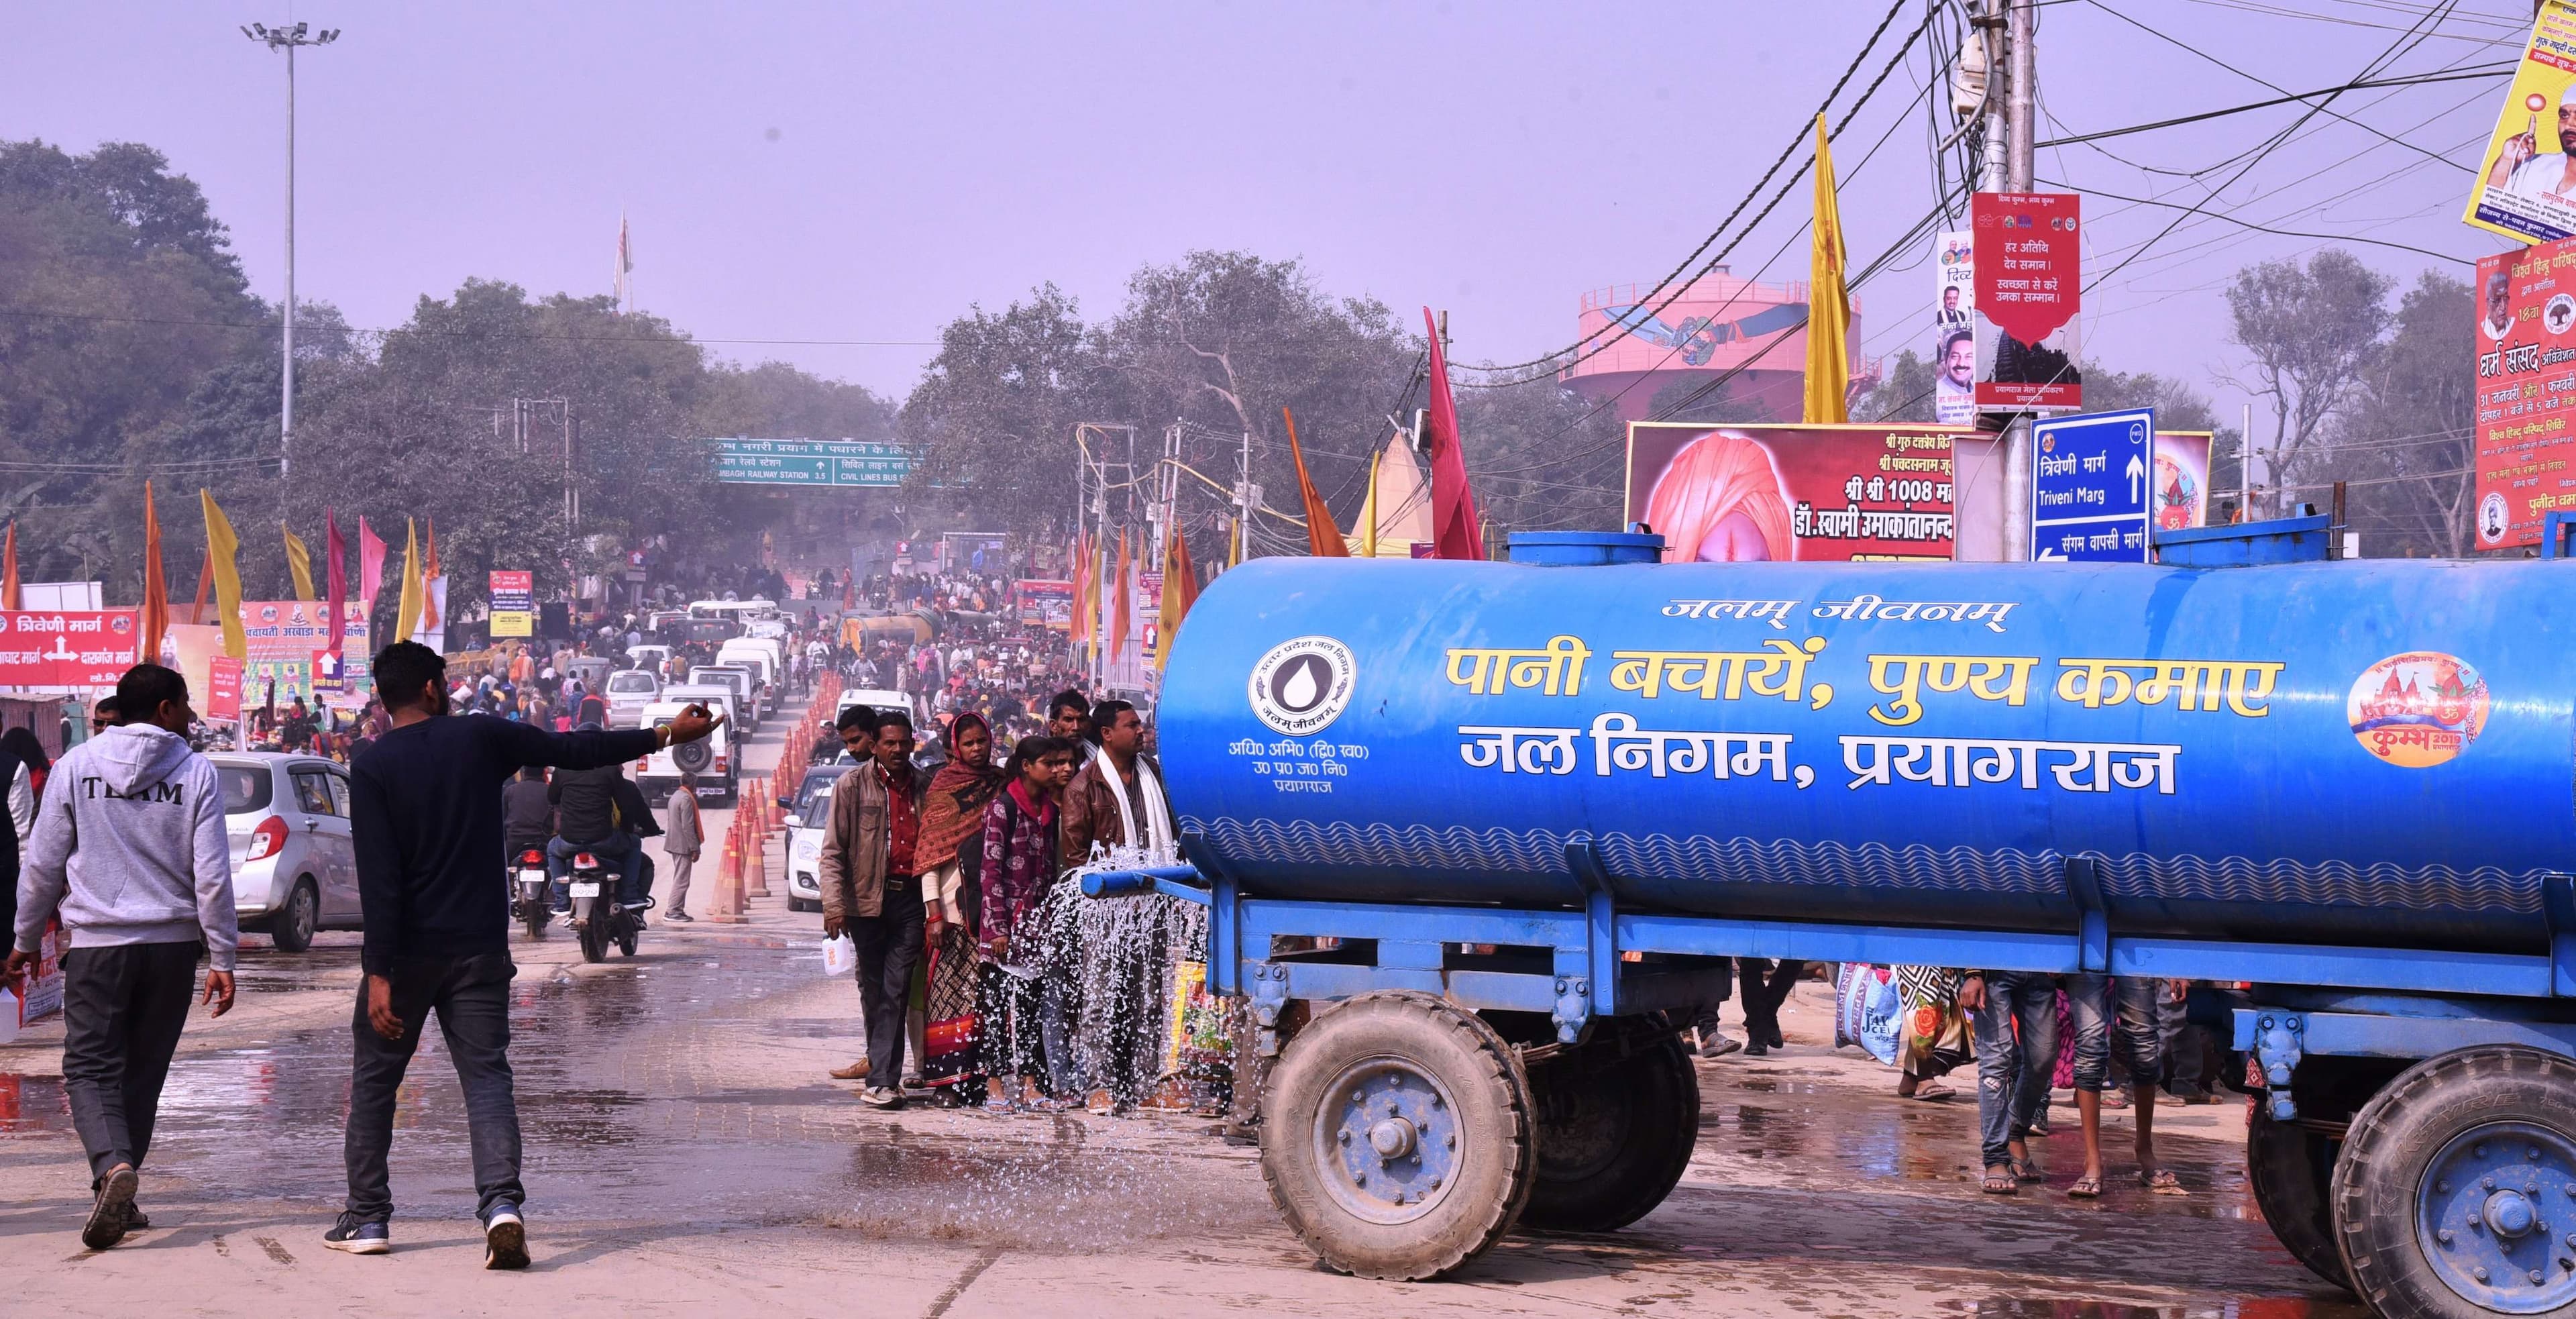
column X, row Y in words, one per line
column 2419, row 709
column 1302, row 685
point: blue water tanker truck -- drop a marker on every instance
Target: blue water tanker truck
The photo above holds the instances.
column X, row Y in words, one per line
column 1468, row 832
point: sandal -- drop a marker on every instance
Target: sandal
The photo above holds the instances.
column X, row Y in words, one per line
column 2161, row 1182
column 2086, row 1187
column 2000, row 1183
column 1931, row 1094
column 2026, row 1170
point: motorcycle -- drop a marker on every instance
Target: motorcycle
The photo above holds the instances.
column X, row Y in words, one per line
column 598, row 918
column 528, row 881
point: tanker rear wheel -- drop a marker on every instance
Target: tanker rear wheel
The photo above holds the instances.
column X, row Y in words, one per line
column 1614, row 1133
column 2292, row 1170
column 2456, row 1193
column 1396, row 1137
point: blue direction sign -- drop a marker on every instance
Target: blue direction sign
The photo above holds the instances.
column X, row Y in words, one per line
column 2092, row 486
column 844, row 463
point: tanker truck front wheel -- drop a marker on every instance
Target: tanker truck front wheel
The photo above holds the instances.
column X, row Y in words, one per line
column 1617, row 1120
column 1397, row 1139
column 2456, row 1192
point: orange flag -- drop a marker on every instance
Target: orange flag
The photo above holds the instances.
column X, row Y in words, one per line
column 1180, row 589
column 1125, row 588
column 9, row 568
column 1086, row 627
column 1323, row 537
column 430, row 595
column 156, row 590
column 205, row 583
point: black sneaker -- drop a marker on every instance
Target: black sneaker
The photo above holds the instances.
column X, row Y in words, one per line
column 1757, row 1048
column 359, row 1236
column 505, row 1239
column 109, row 1212
column 675, row 914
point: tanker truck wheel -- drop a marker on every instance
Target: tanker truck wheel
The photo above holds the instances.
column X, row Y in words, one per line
column 1397, row 1137
column 1614, row 1134
column 2292, row 1170
column 2456, row 1192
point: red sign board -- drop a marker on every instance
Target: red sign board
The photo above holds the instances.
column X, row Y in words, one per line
column 2526, row 338
column 66, row 648
column 224, row 681
column 1044, row 602
column 2028, row 261
column 1810, row 493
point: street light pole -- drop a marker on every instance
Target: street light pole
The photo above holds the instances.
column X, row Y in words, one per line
column 287, row 39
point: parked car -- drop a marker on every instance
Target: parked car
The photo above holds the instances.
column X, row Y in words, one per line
column 295, row 868
column 817, row 781
column 805, row 847
column 629, row 691
column 875, row 698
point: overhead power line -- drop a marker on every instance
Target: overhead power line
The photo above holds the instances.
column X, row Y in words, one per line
column 2498, row 70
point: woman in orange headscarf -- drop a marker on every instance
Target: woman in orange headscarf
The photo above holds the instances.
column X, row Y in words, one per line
column 1719, row 502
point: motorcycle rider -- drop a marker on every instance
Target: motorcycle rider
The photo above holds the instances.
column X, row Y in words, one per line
column 635, row 816
column 527, row 815
column 585, row 802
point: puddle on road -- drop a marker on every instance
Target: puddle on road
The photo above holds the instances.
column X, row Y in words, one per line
column 2267, row 1307
column 1077, row 1196
column 32, row 1103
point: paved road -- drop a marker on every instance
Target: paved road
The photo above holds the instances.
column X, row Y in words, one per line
column 687, row 1154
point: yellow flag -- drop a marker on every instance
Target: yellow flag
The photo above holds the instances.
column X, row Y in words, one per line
column 221, row 547
column 407, row 612
column 299, row 562
column 1828, row 301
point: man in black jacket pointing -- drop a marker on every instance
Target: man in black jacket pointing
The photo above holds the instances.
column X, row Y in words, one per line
column 425, row 809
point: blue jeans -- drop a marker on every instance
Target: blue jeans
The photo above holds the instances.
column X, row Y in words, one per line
column 472, row 998
column 2110, row 1010
column 2016, row 1051
column 619, row 848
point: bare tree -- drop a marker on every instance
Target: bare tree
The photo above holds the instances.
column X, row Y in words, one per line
column 2406, row 443
column 2312, row 332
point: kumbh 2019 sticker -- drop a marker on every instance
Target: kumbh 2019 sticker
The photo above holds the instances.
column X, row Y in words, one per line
column 2419, row 709
column 1302, row 685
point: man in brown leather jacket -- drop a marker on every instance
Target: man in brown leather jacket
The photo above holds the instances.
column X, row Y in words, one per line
column 870, row 889
column 1120, row 768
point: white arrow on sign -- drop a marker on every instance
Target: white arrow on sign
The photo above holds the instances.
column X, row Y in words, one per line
column 2048, row 554
column 2137, row 473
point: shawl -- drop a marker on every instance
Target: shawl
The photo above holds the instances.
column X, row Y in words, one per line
column 953, row 811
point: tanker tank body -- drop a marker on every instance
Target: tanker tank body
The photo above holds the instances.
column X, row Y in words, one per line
column 1468, row 831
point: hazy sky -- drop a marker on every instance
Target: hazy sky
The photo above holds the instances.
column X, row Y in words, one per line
column 868, row 172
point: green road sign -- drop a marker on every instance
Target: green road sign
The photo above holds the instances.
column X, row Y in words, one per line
column 840, row 464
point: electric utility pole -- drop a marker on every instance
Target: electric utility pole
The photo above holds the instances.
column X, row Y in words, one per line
column 288, row 39
column 2012, row 149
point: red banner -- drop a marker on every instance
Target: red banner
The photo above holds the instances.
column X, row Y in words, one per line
column 66, row 648
column 1814, row 493
column 224, row 680
column 2028, row 261
column 2526, row 342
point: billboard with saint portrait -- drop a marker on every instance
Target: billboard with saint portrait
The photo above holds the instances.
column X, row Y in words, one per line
column 1879, row 490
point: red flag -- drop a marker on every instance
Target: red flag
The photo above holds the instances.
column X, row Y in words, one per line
column 336, row 580
column 1323, row 537
column 156, row 592
column 429, row 619
column 371, row 564
column 1453, row 503
column 1126, row 591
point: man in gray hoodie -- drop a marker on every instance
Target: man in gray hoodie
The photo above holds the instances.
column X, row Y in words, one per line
column 129, row 849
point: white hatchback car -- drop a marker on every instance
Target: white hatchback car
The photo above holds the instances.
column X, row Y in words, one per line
column 295, row 866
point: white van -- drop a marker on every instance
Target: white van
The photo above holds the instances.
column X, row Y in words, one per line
column 710, row 758
column 875, row 698
column 739, row 678
column 766, row 660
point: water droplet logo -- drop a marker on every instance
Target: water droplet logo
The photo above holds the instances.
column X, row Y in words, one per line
column 1302, row 685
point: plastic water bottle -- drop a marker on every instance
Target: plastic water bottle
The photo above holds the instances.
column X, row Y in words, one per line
column 8, row 1015
column 840, row 958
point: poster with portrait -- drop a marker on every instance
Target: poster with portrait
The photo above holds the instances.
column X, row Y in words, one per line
column 1954, row 328
column 2526, row 183
column 2181, row 498
column 1878, row 490
column 2526, row 364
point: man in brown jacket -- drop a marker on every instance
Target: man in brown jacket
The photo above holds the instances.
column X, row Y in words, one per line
column 1116, row 800
column 870, row 889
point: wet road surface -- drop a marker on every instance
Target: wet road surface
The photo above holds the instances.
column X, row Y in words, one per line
column 685, row 1151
